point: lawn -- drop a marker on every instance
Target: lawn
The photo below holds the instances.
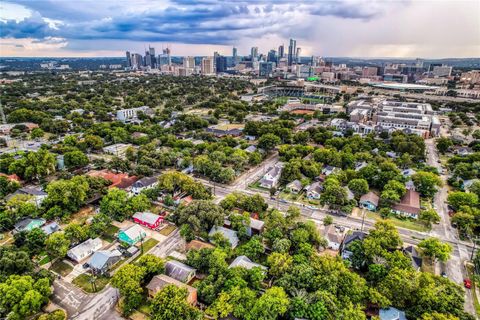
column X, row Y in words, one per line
column 167, row 230
column 428, row 265
column 402, row 223
column 44, row 260
column 61, row 268
column 84, row 281
column 110, row 232
column 149, row 244
column 289, row 196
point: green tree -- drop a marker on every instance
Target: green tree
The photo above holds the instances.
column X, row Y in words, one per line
column 271, row 305
column 75, row 159
column 153, row 265
column 458, row 199
column 34, row 165
column 443, row 144
column 201, row 215
column 428, row 217
column 279, row 263
column 115, row 204
column 435, row 249
column 37, row 133
column 359, row 187
column 57, row 245
column 268, row 141
column 426, row 183
column 170, row 303
column 75, row 232
column 128, row 279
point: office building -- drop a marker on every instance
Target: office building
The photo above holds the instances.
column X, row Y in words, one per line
column 298, row 54
column 208, row 66
column 254, row 53
column 189, row 62
column 369, row 72
column 129, row 59
column 266, row 69
column 234, row 56
column 471, row 77
column 220, row 63
column 164, row 58
column 137, row 61
column 281, row 52
column 127, row 115
column 272, row 56
column 147, row 62
column 292, row 48
column 442, row 71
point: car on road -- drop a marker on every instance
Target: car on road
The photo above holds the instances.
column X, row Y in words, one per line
column 283, row 201
column 444, row 274
column 312, row 207
column 467, row 283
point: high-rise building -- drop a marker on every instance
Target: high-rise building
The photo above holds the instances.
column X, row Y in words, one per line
column 221, row 63
column 419, row 63
column 254, row 53
column 189, row 62
column 234, row 53
column 281, row 52
column 272, row 56
column 129, row 59
column 137, row 61
column 164, row 58
column 292, row 48
column 153, row 60
column 298, row 54
column 266, row 69
column 442, row 71
column 148, row 59
column 208, row 66
column 369, row 72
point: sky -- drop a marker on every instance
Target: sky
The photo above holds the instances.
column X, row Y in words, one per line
column 340, row 28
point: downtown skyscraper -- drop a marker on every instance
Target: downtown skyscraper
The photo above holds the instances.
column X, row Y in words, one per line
column 292, row 50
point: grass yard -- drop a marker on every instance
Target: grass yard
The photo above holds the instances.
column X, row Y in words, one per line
column 167, row 230
column 149, row 244
column 289, row 196
column 402, row 223
column 61, row 268
column 428, row 265
column 44, row 260
column 84, row 281
column 110, row 232
column 256, row 185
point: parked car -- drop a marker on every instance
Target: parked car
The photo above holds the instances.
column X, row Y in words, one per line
column 467, row 283
column 444, row 274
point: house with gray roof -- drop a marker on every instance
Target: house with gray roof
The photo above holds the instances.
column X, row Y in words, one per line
column 230, row 235
column 392, row 314
column 144, row 184
column 36, row 193
column 101, row 261
column 295, row 186
column 51, row 228
column 245, row 262
column 314, row 190
column 270, row 179
column 28, row 224
column 179, row 271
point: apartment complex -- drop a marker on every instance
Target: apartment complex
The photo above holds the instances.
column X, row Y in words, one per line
column 127, row 115
column 367, row 116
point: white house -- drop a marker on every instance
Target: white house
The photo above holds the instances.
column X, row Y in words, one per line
column 84, row 249
column 270, row 179
column 144, row 184
column 127, row 115
column 314, row 191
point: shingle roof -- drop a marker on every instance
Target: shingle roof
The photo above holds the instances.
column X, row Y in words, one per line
column 145, row 182
column 256, row 224
column 29, row 224
column 100, row 258
column 161, row 281
column 410, row 202
column 245, row 262
column 231, row 235
column 178, row 270
column 371, row 197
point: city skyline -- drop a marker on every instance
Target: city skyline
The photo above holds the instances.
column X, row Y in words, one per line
column 398, row 29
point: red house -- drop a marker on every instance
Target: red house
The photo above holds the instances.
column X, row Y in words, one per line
column 148, row 219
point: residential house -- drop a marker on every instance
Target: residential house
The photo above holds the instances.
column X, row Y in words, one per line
column 148, row 219
column 407, row 173
column 328, row 170
column 226, row 129
column 255, row 227
column 230, row 235
column 251, row 149
column 414, row 256
column 179, row 271
column 360, row 165
column 50, row 228
column 118, row 180
column 84, row 249
column 28, row 224
column 144, row 184
column 334, row 237
column 369, row 201
column 118, row 149
column 409, row 205
column 349, row 239
column 132, row 235
column 161, row 281
column 294, row 186
column 270, row 179
column 101, row 261
column 350, row 195
column 245, row 262
column 37, row 195
column 314, row 190
column 392, row 314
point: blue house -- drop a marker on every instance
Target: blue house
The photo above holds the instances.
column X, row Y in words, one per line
column 369, row 201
